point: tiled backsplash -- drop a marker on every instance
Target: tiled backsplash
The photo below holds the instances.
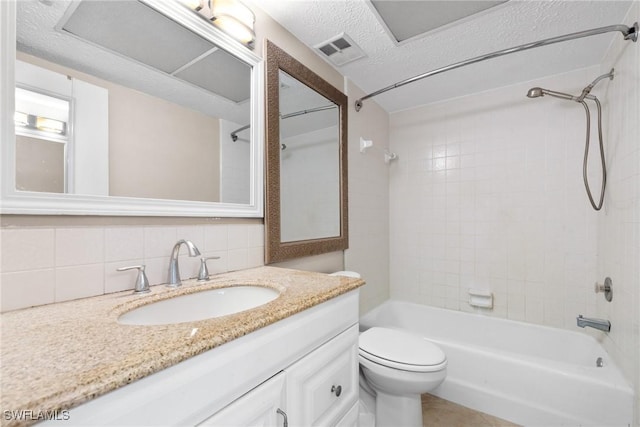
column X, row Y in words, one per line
column 46, row 265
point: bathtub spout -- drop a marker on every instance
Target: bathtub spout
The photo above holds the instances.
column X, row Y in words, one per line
column 603, row 325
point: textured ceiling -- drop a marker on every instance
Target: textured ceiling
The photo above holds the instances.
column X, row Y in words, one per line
column 511, row 24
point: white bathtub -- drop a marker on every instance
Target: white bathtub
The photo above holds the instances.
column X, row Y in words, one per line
column 528, row 374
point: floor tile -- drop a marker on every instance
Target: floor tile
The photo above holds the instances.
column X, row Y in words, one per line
column 437, row 412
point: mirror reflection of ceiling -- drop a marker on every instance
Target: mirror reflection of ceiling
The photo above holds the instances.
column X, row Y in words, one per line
column 296, row 97
column 407, row 19
column 129, row 43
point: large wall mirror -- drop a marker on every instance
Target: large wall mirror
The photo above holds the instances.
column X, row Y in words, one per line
column 129, row 108
column 306, row 189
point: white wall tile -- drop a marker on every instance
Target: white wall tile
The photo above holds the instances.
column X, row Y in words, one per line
column 216, row 238
column 238, row 236
column 79, row 246
column 123, row 243
column 238, row 259
column 79, row 282
column 618, row 226
column 157, row 269
column 27, row 249
column 27, row 288
column 256, row 235
column 487, row 214
column 159, row 241
column 219, row 265
column 255, row 256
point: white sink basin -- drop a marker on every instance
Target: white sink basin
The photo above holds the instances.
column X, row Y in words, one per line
column 200, row 305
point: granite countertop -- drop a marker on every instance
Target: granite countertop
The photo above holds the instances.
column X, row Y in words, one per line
column 57, row 356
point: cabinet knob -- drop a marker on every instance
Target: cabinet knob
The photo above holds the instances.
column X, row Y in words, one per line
column 337, row 390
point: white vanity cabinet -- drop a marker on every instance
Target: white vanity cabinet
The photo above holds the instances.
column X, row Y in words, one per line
column 292, row 365
column 321, row 389
column 323, row 386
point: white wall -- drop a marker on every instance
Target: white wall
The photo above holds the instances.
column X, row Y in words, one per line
column 368, row 251
column 235, row 164
column 619, row 224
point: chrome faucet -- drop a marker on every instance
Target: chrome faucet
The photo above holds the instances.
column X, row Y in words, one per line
column 174, row 272
column 603, row 325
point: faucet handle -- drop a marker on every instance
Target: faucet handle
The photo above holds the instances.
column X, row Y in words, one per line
column 203, row 273
column 142, row 282
column 606, row 288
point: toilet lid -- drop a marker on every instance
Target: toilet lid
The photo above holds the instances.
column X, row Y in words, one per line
column 399, row 349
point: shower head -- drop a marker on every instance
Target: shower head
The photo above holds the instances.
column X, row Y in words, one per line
column 535, row 92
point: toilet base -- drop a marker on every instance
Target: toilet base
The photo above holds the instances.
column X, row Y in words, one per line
column 398, row 411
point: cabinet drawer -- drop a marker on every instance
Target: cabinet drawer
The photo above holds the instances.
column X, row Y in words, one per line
column 323, row 386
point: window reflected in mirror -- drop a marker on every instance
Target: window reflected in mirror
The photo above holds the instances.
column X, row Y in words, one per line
column 42, row 124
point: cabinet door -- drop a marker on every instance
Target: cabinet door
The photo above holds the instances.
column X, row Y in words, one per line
column 257, row 408
column 351, row 417
column 323, row 386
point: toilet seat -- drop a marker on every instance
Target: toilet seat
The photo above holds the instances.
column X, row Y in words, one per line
column 402, row 350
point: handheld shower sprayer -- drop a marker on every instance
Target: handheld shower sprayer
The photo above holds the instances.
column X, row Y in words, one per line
column 535, row 92
column 538, row 92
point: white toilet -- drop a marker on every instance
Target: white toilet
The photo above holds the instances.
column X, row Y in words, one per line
column 399, row 366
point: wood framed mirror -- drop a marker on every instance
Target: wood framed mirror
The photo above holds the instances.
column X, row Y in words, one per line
column 306, row 161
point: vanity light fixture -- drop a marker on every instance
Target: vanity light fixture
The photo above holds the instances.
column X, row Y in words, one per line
column 231, row 16
column 43, row 124
column 235, row 19
column 193, row 4
column 50, row 125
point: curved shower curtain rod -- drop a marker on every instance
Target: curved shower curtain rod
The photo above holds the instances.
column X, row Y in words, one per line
column 234, row 134
column 629, row 33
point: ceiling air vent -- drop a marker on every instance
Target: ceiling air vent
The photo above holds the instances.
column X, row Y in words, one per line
column 339, row 50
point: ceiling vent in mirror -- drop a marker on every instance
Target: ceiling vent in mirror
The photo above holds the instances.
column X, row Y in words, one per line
column 339, row 50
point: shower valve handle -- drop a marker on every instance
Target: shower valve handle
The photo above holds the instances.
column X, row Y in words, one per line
column 606, row 288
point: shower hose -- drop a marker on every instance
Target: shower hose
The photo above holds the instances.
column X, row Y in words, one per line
column 597, row 206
